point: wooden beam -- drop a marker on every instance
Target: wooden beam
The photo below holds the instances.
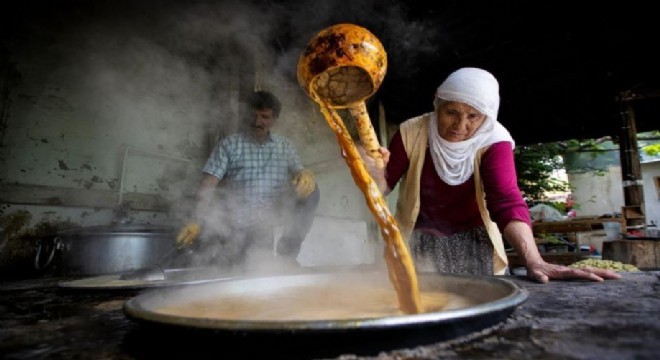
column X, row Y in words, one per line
column 28, row 194
column 631, row 173
column 574, row 225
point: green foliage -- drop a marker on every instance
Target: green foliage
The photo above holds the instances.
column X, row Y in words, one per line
column 550, row 239
column 535, row 165
column 560, row 206
column 652, row 150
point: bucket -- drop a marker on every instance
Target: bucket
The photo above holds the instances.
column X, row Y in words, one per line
column 612, row 230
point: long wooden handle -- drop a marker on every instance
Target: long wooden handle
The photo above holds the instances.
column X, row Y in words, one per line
column 400, row 265
column 366, row 132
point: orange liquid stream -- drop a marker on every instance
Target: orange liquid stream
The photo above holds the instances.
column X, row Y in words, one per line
column 400, row 266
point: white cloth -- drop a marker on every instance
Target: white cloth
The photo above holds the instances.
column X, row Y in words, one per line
column 454, row 161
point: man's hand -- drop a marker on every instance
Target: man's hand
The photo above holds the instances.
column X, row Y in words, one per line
column 304, row 183
column 188, row 234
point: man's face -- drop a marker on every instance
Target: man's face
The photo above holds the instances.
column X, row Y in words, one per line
column 262, row 121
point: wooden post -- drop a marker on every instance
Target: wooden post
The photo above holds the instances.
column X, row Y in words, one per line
column 382, row 125
column 631, row 174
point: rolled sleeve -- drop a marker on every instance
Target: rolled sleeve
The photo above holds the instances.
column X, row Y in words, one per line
column 503, row 196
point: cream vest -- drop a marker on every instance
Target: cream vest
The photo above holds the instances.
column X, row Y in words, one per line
column 414, row 134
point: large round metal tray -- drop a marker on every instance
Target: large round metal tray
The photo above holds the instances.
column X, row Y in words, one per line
column 490, row 301
column 174, row 277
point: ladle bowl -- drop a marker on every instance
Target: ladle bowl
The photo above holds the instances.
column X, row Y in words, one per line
column 343, row 64
column 341, row 67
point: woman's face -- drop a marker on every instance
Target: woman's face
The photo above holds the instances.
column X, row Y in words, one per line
column 458, row 121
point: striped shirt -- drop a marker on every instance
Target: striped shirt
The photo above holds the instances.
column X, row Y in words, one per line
column 255, row 175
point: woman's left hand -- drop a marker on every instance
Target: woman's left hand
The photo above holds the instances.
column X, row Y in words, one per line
column 544, row 272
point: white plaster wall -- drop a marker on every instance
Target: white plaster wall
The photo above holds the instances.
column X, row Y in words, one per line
column 70, row 120
column 91, row 89
column 598, row 195
column 601, row 195
column 650, row 171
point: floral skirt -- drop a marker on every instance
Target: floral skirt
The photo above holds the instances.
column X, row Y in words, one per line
column 469, row 252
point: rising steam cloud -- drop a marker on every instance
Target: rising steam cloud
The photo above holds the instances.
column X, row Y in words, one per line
column 173, row 67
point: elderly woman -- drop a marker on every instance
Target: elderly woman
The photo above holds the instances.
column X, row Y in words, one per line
column 458, row 186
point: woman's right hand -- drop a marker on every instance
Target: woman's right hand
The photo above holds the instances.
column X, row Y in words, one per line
column 370, row 162
column 376, row 171
column 386, row 154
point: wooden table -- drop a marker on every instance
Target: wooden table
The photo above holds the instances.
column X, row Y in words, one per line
column 568, row 258
column 574, row 225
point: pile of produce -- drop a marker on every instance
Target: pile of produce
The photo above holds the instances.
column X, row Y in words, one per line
column 603, row 264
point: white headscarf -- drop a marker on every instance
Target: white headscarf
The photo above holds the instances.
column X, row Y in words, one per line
column 454, row 161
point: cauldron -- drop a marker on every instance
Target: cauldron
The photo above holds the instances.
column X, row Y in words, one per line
column 105, row 249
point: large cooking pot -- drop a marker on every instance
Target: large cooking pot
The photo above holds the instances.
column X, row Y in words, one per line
column 313, row 315
column 107, row 249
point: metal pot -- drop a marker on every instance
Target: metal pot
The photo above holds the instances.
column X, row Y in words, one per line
column 99, row 250
column 488, row 301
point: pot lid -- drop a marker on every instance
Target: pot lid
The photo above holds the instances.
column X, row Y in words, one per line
column 121, row 228
column 174, row 277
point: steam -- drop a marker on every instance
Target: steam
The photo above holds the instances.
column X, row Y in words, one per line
column 163, row 75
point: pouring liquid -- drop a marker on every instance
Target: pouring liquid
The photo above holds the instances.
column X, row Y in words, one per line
column 400, row 265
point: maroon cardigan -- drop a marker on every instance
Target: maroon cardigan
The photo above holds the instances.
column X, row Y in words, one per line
column 447, row 209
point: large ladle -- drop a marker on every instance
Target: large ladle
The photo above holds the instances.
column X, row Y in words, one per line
column 340, row 68
column 343, row 65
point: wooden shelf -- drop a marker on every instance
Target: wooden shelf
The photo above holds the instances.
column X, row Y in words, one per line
column 574, row 225
column 633, row 212
column 568, row 258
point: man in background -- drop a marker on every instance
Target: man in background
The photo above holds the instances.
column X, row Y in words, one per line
column 253, row 183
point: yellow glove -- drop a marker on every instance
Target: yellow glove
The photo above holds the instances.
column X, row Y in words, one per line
column 188, row 234
column 304, row 183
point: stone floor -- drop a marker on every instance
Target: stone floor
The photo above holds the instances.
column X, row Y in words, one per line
column 616, row 319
